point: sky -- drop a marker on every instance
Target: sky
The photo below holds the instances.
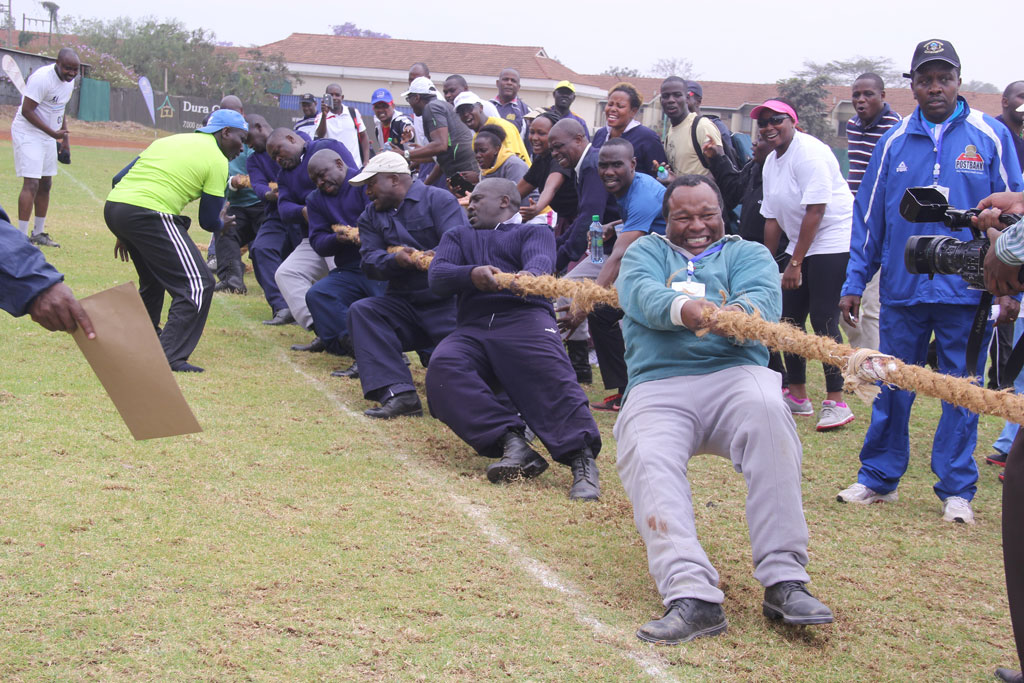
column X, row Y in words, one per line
column 741, row 40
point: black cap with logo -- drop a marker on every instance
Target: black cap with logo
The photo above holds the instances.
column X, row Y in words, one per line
column 932, row 50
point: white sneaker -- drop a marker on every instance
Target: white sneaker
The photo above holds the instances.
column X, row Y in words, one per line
column 802, row 408
column 957, row 509
column 859, row 493
column 834, row 415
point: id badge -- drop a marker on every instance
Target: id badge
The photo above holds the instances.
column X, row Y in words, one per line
column 694, row 290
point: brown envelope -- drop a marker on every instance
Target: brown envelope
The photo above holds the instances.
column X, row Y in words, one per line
column 127, row 357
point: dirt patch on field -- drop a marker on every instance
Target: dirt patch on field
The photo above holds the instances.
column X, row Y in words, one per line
column 120, row 134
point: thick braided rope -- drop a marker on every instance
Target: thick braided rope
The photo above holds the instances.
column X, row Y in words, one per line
column 242, row 181
column 862, row 368
column 346, row 233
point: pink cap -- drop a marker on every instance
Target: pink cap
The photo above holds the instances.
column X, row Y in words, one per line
column 775, row 106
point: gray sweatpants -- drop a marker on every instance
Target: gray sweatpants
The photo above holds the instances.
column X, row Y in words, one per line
column 737, row 413
column 296, row 274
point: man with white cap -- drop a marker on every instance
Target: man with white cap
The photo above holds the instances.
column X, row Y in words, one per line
column 449, row 141
column 144, row 213
column 408, row 214
column 470, row 109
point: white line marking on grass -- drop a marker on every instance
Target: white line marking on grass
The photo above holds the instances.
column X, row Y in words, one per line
column 652, row 664
column 82, row 185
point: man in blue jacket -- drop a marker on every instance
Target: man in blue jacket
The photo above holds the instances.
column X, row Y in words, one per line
column 709, row 394
column 968, row 155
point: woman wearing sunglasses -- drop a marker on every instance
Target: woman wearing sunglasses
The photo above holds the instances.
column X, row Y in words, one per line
column 807, row 198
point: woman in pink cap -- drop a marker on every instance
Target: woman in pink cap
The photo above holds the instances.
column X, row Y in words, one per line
column 807, row 198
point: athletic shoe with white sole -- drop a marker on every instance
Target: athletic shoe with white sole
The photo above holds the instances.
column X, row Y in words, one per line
column 834, row 415
column 957, row 509
column 859, row 493
column 798, row 406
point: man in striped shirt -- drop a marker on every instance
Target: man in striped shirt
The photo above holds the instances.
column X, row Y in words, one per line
column 873, row 118
column 863, row 131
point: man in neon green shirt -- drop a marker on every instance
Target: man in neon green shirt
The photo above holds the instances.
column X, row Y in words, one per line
column 143, row 211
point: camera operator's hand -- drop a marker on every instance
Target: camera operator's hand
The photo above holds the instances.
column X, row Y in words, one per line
column 1009, row 309
column 1006, row 202
column 1000, row 278
column 850, row 306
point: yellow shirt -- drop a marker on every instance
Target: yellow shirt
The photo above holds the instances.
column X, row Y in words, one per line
column 513, row 140
column 679, row 145
column 172, row 172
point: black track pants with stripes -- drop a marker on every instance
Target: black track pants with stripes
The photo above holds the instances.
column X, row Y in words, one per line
column 166, row 259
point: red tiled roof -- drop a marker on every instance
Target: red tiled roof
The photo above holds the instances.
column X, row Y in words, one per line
column 399, row 55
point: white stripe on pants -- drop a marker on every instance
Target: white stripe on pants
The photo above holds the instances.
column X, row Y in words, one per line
column 296, row 275
column 737, row 413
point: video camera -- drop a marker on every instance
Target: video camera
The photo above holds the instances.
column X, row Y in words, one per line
column 931, row 254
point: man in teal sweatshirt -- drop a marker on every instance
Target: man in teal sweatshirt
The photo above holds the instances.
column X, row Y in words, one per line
column 687, row 395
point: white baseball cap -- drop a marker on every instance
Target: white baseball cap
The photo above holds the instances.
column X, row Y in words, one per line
column 420, row 86
column 468, row 97
column 385, row 162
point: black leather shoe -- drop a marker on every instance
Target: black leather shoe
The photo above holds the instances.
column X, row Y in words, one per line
column 794, row 604
column 585, row 484
column 686, row 619
column 405, row 404
column 518, row 460
column 282, row 317
column 1009, row 675
column 225, row 286
column 315, row 346
column 351, row 372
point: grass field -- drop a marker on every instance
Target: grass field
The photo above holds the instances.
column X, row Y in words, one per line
column 294, row 539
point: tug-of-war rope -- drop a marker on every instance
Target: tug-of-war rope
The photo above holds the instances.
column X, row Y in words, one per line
column 862, row 368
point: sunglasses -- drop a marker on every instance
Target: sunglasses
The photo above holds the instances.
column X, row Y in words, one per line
column 772, row 120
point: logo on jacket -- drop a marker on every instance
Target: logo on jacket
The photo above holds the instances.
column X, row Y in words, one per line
column 902, row 168
column 970, row 161
column 934, row 47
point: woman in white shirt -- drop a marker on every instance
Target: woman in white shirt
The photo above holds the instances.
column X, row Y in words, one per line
column 807, row 198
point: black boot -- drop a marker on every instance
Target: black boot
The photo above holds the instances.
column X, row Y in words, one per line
column 791, row 602
column 585, row 484
column 579, row 357
column 685, row 619
column 351, row 372
column 517, row 460
column 404, row 404
column 315, row 346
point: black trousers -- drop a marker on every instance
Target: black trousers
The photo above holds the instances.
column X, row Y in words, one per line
column 1013, row 539
column 167, row 260
column 817, row 296
column 603, row 322
column 229, row 243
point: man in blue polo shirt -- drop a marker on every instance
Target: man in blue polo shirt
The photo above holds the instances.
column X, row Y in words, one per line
column 640, row 199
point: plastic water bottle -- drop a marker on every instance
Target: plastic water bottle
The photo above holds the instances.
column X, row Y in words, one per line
column 662, row 173
column 596, row 241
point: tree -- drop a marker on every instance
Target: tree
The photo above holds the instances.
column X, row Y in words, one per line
column 845, row 72
column 353, row 31
column 622, row 72
column 189, row 61
column 980, row 86
column 807, row 97
column 676, row 66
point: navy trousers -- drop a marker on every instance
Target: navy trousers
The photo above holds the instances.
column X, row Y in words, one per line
column 904, row 332
column 330, row 297
column 383, row 328
column 273, row 243
column 513, row 358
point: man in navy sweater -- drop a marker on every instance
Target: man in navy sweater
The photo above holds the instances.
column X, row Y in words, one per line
column 303, row 266
column 409, row 317
column 335, row 202
column 274, row 241
column 504, row 362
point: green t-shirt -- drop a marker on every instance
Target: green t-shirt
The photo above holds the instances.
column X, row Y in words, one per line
column 172, row 172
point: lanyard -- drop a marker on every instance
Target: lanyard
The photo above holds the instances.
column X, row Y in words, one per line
column 706, row 252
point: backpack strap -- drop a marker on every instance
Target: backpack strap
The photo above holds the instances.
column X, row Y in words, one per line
column 696, row 145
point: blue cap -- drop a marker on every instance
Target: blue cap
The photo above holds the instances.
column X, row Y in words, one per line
column 381, row 95
column 224, row 118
